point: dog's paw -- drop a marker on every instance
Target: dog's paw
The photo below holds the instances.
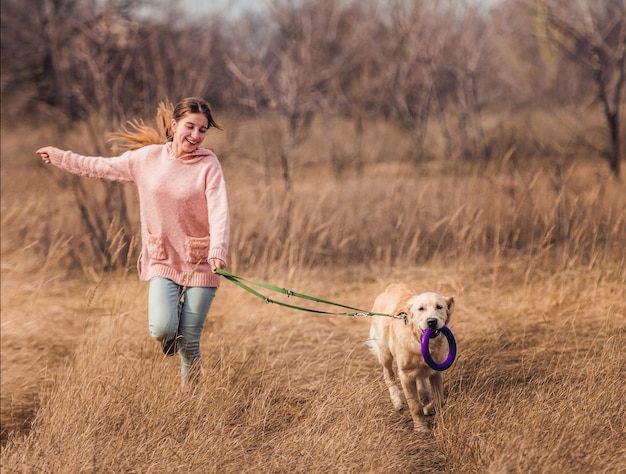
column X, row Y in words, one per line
column 397, row 402
column 429, row 410
column 421, row 427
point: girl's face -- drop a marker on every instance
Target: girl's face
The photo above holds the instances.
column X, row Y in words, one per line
column 189, row 133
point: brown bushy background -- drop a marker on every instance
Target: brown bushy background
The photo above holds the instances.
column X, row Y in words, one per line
column 538, row 385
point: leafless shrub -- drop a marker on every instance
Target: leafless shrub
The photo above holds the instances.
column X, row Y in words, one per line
column 593, row 35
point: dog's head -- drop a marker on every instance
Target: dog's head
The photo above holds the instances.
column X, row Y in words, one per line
column 429, row 311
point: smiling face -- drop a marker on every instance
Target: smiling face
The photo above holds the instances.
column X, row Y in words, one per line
column 430, row 310
column 189, row 133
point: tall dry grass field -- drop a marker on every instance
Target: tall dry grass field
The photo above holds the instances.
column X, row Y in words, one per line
column 533, row 253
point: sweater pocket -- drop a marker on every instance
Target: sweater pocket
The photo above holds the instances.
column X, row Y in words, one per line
column 156, row 247
column 197, row 249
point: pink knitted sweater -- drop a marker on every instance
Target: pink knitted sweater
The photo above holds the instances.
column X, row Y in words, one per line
column 183, row 207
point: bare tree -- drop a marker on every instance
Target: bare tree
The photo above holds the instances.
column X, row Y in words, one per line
column 404, row 47
column 593, row 35
column 102, row 53
column 81, row 58
column 248, row 61
column 308, row 56
column 290, row 68
column 468, row 59
column 33, row 59
column 181, row 58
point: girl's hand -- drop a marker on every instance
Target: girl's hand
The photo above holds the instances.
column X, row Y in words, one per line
column 45, row 156
column 216, row 263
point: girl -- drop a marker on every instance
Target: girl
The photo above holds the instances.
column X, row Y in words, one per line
column 185, row 223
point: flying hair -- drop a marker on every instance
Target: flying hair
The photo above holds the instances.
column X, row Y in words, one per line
column 136, row 134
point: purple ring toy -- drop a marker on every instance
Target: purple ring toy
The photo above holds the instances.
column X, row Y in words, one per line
column 431, row 334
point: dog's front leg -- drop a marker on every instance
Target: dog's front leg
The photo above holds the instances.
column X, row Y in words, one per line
column 409, row 385
column 426, row 396
column 390, row 381
column 435, row 381
column 436, row 384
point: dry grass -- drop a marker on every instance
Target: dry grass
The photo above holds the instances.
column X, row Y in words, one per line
column 534, row 258
column 538, row 385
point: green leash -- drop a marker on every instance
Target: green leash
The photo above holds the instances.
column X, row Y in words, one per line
column 357, row 312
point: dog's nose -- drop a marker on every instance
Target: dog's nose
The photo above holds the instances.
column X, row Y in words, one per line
column 432, row 323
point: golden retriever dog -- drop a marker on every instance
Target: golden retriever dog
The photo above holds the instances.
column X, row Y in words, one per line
column 400, row 340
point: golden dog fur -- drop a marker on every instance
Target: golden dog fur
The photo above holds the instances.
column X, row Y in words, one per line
column 393, row 339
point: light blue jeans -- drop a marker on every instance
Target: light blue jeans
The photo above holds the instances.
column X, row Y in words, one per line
column 168, row 318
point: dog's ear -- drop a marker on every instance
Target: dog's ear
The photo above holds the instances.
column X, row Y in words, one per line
column 450, row 303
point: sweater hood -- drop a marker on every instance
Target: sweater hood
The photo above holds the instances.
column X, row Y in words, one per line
column 194, row 157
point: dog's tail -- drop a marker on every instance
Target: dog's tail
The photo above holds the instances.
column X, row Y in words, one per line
column 374, row 346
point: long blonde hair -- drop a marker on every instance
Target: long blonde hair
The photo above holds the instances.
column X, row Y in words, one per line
column 137, row 134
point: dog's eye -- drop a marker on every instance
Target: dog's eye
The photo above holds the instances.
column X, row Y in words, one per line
column 421, row 308
column 439, row 306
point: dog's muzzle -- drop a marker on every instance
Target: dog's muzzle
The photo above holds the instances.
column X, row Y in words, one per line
column 432, row 323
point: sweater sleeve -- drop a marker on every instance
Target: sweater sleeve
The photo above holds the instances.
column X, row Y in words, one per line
column 111, row 169
column 219, row 216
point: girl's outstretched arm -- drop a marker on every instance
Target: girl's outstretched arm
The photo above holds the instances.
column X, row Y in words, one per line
column 117, row 168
